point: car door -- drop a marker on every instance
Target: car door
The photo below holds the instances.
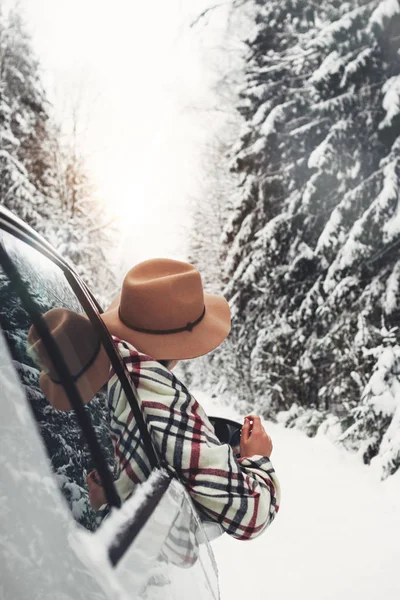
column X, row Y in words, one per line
column 41, row 551
column 155, row 545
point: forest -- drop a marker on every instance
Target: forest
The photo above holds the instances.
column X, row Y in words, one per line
column 43, row 178
column 308, row 254
column 43, row 181
column 301, row 215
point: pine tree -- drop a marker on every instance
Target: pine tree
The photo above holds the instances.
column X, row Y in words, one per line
column 43, row 177
column 25, row 171
column 44, row 182
column 80, row 228
column 311, row 247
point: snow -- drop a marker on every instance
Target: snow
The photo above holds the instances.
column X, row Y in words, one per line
column 363, row 336
column 388, row 194
column 391, row 100
column 118, row 519
column 386, row 10
column 323, row 153
column 383, row 388
column 307, row 127
column 269, row 125
column 91, row 553
column 390, row 445
column 329, row 66
column 352, row 68
column 309, row 190
column 328, row 35
column 392, row 289
column 255, row 148
column 329, row 234
column 317, row 157
column 334, row 536
column 383, row 403
column 262, row 113
column 354, row 249
column 241, row 239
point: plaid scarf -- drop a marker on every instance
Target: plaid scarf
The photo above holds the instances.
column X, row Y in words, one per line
column 242, row 495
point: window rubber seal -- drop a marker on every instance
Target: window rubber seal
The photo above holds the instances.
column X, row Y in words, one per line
column 126, row 537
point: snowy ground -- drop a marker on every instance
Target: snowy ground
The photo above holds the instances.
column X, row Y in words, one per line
column 336, row 537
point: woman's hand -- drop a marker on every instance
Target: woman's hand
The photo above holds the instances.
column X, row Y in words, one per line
column 254, row 438
column 97, row 496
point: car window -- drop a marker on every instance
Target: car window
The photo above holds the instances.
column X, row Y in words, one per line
column 162, row 550
column 70, row 458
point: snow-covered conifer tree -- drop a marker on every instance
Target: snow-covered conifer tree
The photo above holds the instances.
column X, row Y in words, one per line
column 312, row 245
column 44, row 182
column 25, row 168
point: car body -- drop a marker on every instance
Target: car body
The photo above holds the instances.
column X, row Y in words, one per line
column 51, row 545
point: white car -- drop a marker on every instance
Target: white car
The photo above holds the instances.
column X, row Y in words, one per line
column 51, row 547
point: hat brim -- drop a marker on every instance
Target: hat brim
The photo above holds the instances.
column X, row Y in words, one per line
column 91, row 381
column 203, row 338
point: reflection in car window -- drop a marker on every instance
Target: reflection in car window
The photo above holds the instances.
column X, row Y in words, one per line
column 63, row 439
column 171, row 552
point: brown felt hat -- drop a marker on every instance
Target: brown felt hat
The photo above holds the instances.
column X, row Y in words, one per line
column 163, row 311
column 81, row 348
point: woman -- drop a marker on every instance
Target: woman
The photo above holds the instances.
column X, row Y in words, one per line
column 163, row 314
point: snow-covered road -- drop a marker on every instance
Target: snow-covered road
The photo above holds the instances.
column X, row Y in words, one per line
column 336, row 537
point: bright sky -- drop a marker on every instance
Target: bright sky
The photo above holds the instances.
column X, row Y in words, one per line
column 142, row 79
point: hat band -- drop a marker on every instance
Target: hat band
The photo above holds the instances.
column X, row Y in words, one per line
column 187, row 327
column 84, row 368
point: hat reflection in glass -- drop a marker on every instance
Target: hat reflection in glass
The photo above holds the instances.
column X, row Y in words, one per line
column 83, row 353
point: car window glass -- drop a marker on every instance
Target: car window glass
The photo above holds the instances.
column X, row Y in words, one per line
column 70, row 458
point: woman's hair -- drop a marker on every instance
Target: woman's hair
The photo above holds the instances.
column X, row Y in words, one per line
column 164, row 362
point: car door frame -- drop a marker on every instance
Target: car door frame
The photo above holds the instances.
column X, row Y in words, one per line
column 20, row 230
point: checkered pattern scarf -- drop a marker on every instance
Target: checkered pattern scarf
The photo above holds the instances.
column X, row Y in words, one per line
column 242, row 495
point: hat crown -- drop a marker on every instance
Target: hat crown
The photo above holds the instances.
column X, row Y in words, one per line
column 162, row 294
